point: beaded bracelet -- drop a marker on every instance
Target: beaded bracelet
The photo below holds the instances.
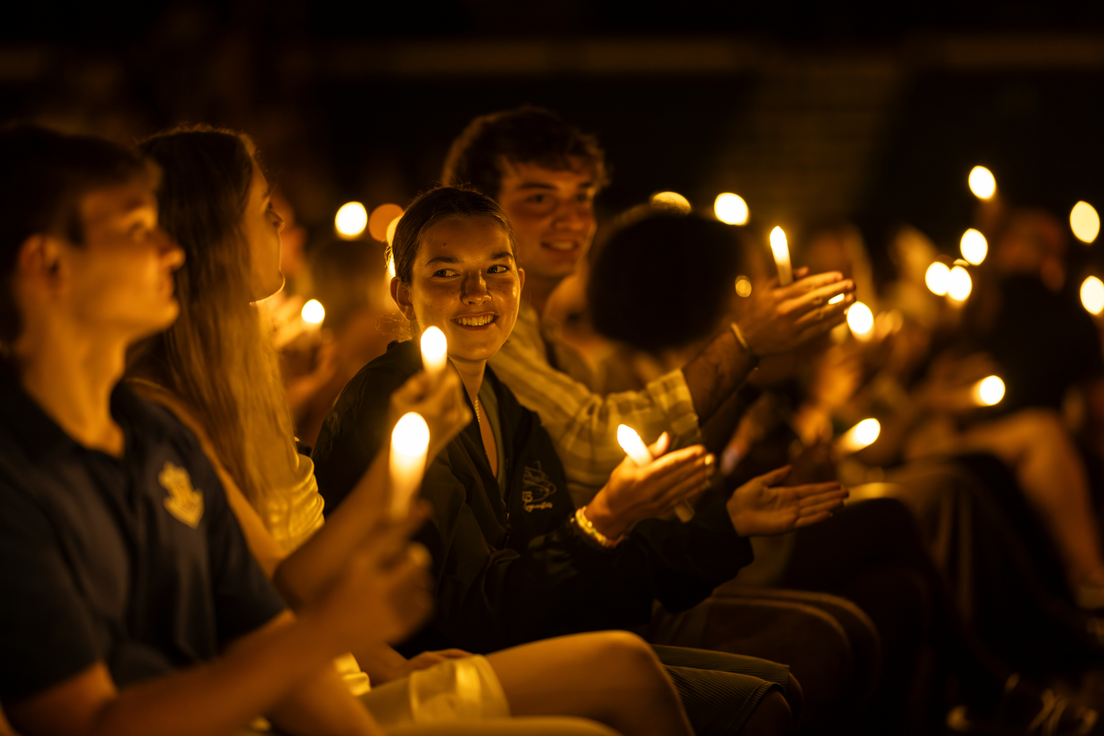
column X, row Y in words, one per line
column 587, row 528
column 744, row 344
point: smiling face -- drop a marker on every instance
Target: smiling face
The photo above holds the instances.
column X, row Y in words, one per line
column 261, row 226
column 552, row 213
column 464, row 280
column 121, row 277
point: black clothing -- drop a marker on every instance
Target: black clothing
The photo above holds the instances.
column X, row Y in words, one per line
column 137, row 562
column 517, row 570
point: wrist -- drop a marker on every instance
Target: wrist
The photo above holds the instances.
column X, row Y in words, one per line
column 743, row 344
column 593, row 531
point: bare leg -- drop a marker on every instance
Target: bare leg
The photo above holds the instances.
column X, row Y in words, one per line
column 612, row 677
column 1038, row 448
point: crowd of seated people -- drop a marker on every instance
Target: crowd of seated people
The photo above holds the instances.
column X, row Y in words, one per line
column 174, row 563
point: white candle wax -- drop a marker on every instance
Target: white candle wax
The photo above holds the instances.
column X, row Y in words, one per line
column 409, row 444
column 781, row 256
column 635, row 448
column 434, row 351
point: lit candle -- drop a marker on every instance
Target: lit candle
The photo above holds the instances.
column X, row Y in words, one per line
column 635, row 448
column 409, row 444
column 988, row 391
column 434, row 351
column 313, row 312
column 861, row 435
column 781, row 256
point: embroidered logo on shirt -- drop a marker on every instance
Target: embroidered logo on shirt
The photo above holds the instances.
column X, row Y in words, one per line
column 184, row 502
column 536, row 487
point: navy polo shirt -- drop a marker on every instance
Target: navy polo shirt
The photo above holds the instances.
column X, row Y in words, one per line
column 138, row 562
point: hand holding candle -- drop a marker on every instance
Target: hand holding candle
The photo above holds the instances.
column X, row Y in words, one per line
column 409, row 444
column 781, row 256
column 434, row 352
column 635, row 448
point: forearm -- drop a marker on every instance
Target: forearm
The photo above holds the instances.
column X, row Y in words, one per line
column 256, row 673
column 380, row 662
column 713, row 376
column 322, row 705
column 303, row 576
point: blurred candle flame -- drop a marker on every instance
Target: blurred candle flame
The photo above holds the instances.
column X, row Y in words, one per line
column 1092, row 295
column 989, row 391
column 781, row 252
column 938, row 278
column 313, row 312
column 959, row 284
column 409, row 445
column 974, row 247
column 982, row 182
column 861, row 435
column 1085, row 222
column 861, row 320
column 434, row 351
column 351, row 220
column 731, row 209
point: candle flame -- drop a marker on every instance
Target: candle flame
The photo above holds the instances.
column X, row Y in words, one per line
column 938, row 278
column 959, row 284
column 989, row 391
column 434, row 349
column 982, row 182
column 861, row 435
column 411, row 435
column 313, row 312
column 1085, row 222
column 860, row 319
column 731, row 209
column 1092, row 295
column 351, row 220
column 633, row 446
column 974, row 246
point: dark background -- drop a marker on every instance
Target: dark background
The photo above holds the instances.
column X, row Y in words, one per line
column 812, row 112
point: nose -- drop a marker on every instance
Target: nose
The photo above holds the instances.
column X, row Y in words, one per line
column 574, row 215
column 171, row 253
column 474, row 289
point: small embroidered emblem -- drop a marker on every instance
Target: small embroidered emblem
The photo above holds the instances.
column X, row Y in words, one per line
column 536, row 487
column 183, row 502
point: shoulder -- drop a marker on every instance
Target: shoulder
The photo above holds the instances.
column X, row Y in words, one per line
column 380, row 377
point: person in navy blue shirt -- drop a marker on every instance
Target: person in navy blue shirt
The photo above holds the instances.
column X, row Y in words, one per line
column 131, row 603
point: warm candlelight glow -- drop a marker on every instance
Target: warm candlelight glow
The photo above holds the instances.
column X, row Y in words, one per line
column 743, row 286
column 351, row 220
column 635, row 448
column 781, row 256
column 731, row 209
column 1085, row 222
column 673, row 200
column 938, row 278
column 861, row 435
column 989, row 391
column 390, row 268
column 861, row 320
column 379, row 220
column 982, row 182
column 1092, row 295
column 959, row 284
column 409, row 444
column 391, row 230
column 836, row 299
column 974, row 247
column 434, row 351
column 313, row 312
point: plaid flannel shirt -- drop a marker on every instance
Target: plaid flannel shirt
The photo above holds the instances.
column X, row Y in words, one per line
column 582, row 424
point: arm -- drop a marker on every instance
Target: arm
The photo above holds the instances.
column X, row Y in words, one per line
column 217, row 698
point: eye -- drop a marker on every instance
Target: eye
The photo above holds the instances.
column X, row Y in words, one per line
column 499, row 268
column 443, row 273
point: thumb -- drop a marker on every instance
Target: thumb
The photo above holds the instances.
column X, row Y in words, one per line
column 660, row 445
column 775, row 476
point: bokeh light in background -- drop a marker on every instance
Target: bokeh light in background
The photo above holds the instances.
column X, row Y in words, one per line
column 731, row 209
column 313, row 312
column 672, row 200
column 982, row 182
column 938, row 278
column 861, row 435
column 380, row 218
column 1085, row 222
column 989, row 391
column 959, row 284
column 1092, row 295
column 860, row 319
column 974, row 247
column 350, row 220
column 743, row 286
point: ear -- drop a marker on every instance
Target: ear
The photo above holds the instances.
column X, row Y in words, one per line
column 400, row 292
column 521, row 280
column 39, row 261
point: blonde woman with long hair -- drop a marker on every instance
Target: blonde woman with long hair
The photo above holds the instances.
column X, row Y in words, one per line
column 217, row 370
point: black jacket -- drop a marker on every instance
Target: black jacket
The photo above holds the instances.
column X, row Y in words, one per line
column 514, row 570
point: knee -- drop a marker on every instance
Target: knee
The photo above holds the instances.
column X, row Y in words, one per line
column 795, row 698
column 631, row 659
column 771, row 717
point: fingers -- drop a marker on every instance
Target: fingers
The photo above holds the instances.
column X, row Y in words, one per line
column 672, row 462
column 811, row 283
column 809, row 520
column 822, row 296
column 819, row 508
column 686, row 488
column 660, row 446
column 813, row 489
column 774, row 476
